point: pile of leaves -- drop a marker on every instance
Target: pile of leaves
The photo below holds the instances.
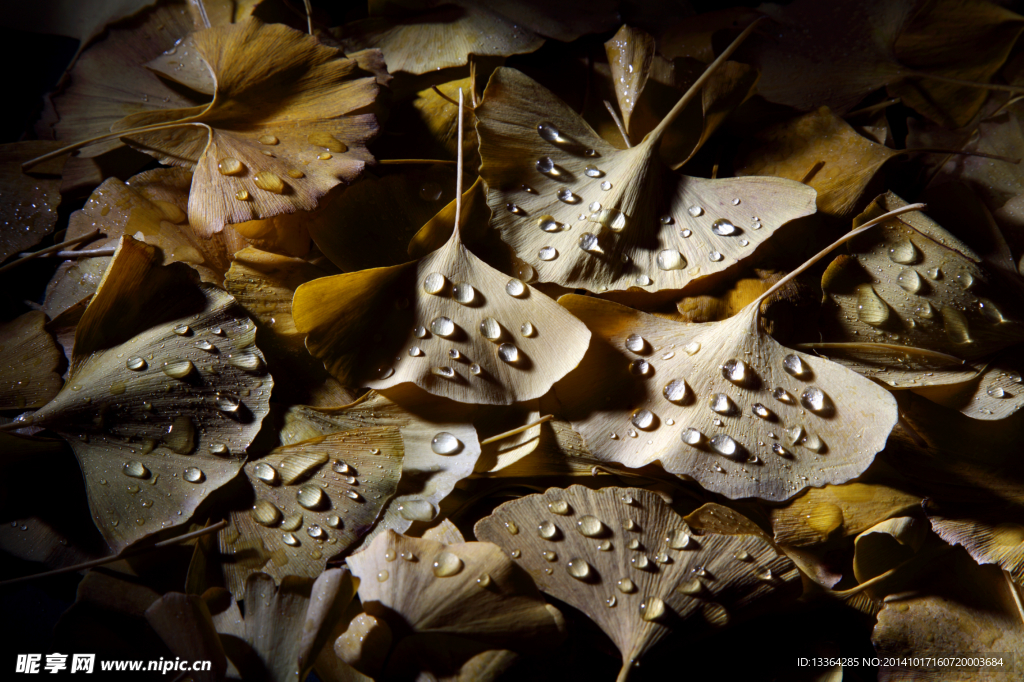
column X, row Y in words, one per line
column 684, row 332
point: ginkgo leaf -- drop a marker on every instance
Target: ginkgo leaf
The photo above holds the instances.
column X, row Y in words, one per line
column 896, row 365
column 630, row 563
column 165, row 392
column 957, row 606
column 822, row 150
column 312, row 501
column 995, row 393
column 438, row 453
column 28, row 210
column 29, row 360
column 284, row 627
column 449, row 323
column 721, row 402
column 991, row 534
column 440, row 117
column 470, row 589
column 253, row 160
column 886, row 545
column 910, row 282
column 630, row 53
column 585, row 214
column 183, row 621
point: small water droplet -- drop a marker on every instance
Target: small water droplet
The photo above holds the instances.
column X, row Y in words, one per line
column 643, row 280
column 955, row 324
column 640, row 368
column 416, row 351
column 416, row 509
column 642, row 419
column 266, row 473
column 678, row 539
column 735, row 371
column 761, row 411
column 290, row 540
column 814, row 399
column 512, row 528
column 434, row 283
column 269, row 182
column 508, row 353
column 722, row 404
column 178, row 369
column 588, row 242
column 182, row 330
column 136, row 364
column 997, row 392
column 310, row 496
column 526, row 329
column 547, row 253
column 514, row 209
column 635, row 343
column 589, row 526
column 592, row 172
column 549, row 133
column 670, row 259
column 692, row 436
column 230, row 166
column 546, row 165
column 475, row 369
column 724, row 228
column 909, row 280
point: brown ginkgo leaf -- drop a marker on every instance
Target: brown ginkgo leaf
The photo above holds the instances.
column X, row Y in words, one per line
column 630, row 563
column 630, row 53
column 585, row 214
column 29, row 360
column 165, row 392
column 312, row 501
column 252, row 160
column 448, row 323
column 28, row 211
column 910, row 284
column 995, row 393
column 721, row 402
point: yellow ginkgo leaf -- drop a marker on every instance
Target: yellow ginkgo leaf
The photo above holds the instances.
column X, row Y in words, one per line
column 721, row 402
column 585, row 214
column 312, row 501
column 29, row 360
column 449, row 323
column 909, row 284
column 29, row 208
column 630, row 53
column 253, row 159
column 165, row 392
column 628, row 561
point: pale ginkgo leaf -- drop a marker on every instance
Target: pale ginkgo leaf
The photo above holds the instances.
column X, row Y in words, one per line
column 628, row 561
column 957, row 606
column 992, row 533
column 911, row 283
column 165, row 392
column 448, row 323
column 184, row 623
column 252, row 160
column 995, row 393
column 285, row 626
column 438, row 453
column 722, row 402
column 28, row 210
column 29, row 360
column 630, row 53
column 895, row 365
column 585, row 214
column 312, row 501
column 559, row 451
column 445, row 532
column 468, row 589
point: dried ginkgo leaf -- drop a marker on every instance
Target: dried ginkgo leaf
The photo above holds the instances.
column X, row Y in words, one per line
column 165, row 392
column 822, row 150
column 585, row 214
column 184, row 623
column 468, row 589
column 440, row 116
column 28, row 210
column 29, row 360
column 911, row 283
column 722, row 402
column 285, row 626
column 996, row 393
column 628, row 561
column 886, row 545
column 448, row 323
column 313, row 500
column 438, row 453
column 252, row 160
column 630, row 53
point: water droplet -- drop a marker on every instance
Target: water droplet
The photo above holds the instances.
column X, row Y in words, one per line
column 182, row 330
column 512, row 528
column 642, row 419
column 266, row 473
column 633, row 544
column 416, row 509
column 178, row 369
column 724, row 228
column 434, row 283
column 526, row 329
column 464, row 293
column 324, row 156
column 193, row 475
column 578, row 568
column 589, row 526
column 382, row 576
column 592, row 172
column 635, row 343
column 611, row 601
column 782, row 396
column 290, row 540
column 310, row 496
column 588, row 242
column 955, row 324
column 547, row 253
column 692, row 436
column 640, row 368
column 416, row 351
column 763, row 573
column 670, row 259
column 316, row 532
column 761, row 411
column 442, row 326
column 722, row 404
column 612, row 218
column 135, row 469
column 444, row 443
column 735, row 371
column 715, row 257
column 514, row 209
column 547, row 530
column 725, row 445
column 626, row 586
column 677, row 539
column 871, row 309
column 136, row 364
column 813, row 442
column 567, row 196
column 269, row 182
column 996, row 392
column 508, row 353
column 446, row 565
column 269, row 140
column 549, row 224
column 814, row 399
column 640, row 562
column 475, row 369
column 606, row 185
column 227, row 402
column 265, row 513
column 333, row 521
column 549, row 555
column 546, row 165
column 549, row 133
column 796, row 434
column 910, row 281
column 904, row 253
column 484, row 581
column 230, row 166
column 327, row 141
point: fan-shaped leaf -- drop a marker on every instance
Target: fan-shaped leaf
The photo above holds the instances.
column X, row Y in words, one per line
column 29, row 360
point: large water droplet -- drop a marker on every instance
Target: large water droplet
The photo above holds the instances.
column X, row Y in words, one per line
column 815, row 400
column 269, row 182
column 725, row 445
column 464, row 293
column 515, row 287
column 266, row 473
column 692, row 436
column 508, row 353
column 635, row 343
column 193, row 475
column 227, row 402
column 676, row 391
column 871, row 309
column 909, row 280
column 490, row 329
column 652, row 609
column 588, row 242
column 546, row 165
column 136, row 364
column 723, row 228
column 578, row 568
column 290, row 540
column 955, row 324
column 135, row 469
column 547, row 253
column 560, row 507
column 549, row 133
column 549, row 224
column 444, row 443
column 722, row 404
column 327, row 141
column 178, row 369
column 265, row 513
column 180, row 436
column 526, row 329
column 640, row 368
column 736, row 371
column 230, row 166
column 592, row 172
column 446, row 565
column 547, row 530
column 416, row 509
column 670, row 259
column 997, row 392
column 904, row 253
column 642, row 419
column 715, row 257
column 310, row 496
column 590, row 526
column 434, row 283
column 677, row 539
column 612, row 218
column 442, row 326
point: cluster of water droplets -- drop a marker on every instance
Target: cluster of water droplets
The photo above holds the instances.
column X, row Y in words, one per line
column 269, row 181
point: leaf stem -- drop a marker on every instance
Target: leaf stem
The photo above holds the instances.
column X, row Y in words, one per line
column 969, row 84
column 519, row 429
column 873, row 108
column 402, row 162
column 117, row 557
column 106, row 136
column 832, row 247
column 618, row 123
column 656, row 134
column 458, row 170
column 50, row 249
